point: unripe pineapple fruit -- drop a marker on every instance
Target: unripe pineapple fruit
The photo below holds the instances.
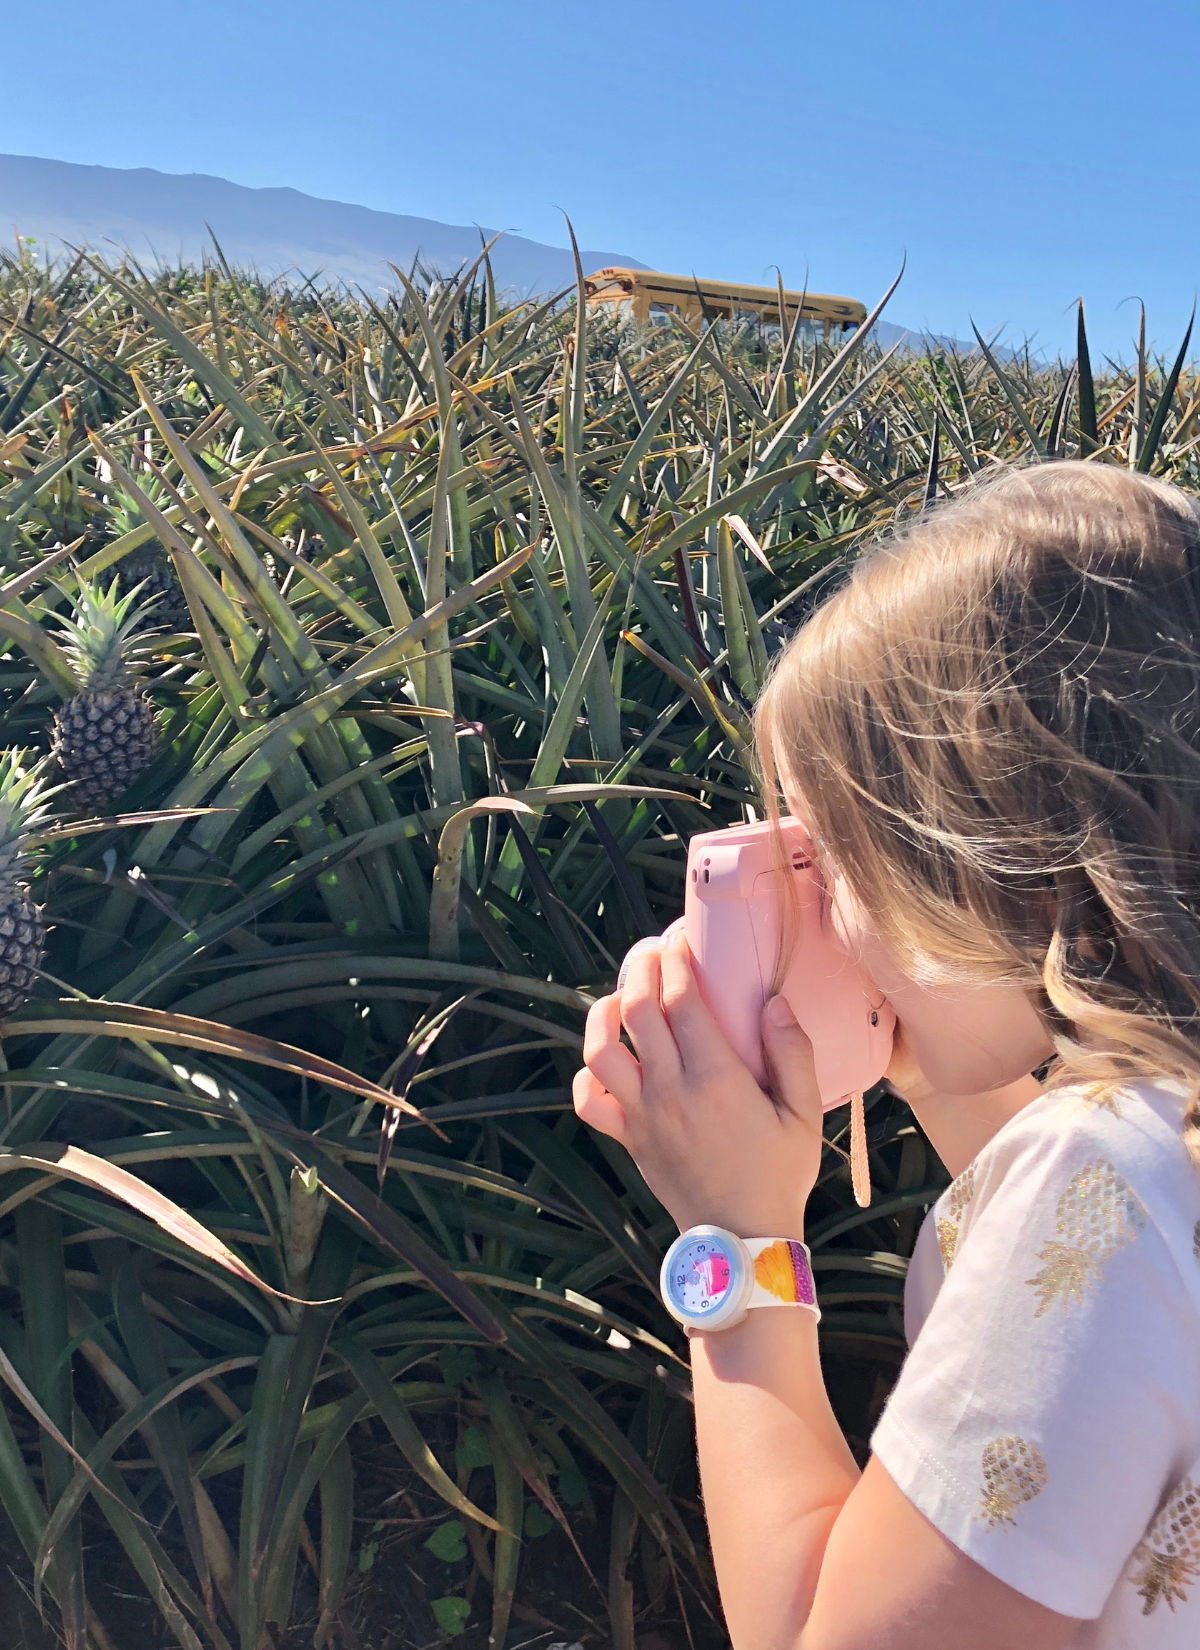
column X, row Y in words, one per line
column 23, row 795
column 149, row 570
column 106, row 736
column 149, row 566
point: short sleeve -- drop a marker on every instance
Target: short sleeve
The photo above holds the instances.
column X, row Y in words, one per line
column 1051, row 1395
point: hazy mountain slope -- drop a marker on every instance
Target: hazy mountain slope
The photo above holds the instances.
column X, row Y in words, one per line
column 163, row 215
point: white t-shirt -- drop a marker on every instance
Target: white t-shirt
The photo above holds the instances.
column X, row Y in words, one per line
column 1047, row 1420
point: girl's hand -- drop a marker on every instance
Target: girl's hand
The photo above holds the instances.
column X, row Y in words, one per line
column 712, row 1146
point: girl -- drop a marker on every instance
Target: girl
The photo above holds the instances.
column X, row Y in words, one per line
column 992, row 733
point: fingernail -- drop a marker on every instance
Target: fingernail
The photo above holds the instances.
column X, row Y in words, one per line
column 640, row 945
column 779, row 1012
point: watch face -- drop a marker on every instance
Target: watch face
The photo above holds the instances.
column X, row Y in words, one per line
column 699, row 1277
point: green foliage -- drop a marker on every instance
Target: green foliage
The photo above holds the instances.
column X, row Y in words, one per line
column 448, row 1542
column 451, row 1614
column 473, row 1449
column 369, row 1551
column 297, row 1218
column 537, row 1521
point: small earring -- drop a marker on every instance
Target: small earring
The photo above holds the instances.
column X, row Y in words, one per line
column 860, row 1168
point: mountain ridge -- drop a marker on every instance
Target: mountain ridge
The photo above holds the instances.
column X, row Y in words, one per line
column 173, row 216
column 169, row 216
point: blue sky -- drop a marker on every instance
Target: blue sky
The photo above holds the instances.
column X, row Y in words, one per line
column 1020, row 154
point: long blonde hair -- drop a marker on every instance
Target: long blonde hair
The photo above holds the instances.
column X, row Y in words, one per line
column 995, row 727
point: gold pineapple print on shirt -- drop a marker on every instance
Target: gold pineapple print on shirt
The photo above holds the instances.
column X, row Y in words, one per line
column 958, row 1196
column 1169, row 1552
column 1014, row 1471
column 1098, row 1214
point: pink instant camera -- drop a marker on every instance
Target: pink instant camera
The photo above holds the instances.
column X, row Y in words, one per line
column 736, row 919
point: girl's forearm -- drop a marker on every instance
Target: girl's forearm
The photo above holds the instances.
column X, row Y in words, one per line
column 774, row 1465
column 775, row 1470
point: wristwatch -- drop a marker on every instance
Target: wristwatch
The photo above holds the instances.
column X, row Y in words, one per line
column 711, row 1278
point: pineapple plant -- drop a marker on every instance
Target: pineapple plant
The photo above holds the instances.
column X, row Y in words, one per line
column 148, row 569
column 105, row 736
column 23, row 799
column 149, row 565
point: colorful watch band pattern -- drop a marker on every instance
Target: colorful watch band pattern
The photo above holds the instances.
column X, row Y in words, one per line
column 783, row 1271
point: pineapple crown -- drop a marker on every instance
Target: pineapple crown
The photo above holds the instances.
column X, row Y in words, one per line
column 98, row 632
column 24, row 804
column 124, row 513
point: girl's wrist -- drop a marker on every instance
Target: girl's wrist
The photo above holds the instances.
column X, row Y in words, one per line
column 747, row 1221
column 749, row 1349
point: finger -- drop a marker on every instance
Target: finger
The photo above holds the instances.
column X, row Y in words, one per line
column 651, row 943
column 644, row 1020
column 789, row 1055
column 596, row 1107
column 696, row 1033
column 605, row 1055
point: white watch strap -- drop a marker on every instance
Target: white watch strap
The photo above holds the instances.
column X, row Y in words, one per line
column 783, row 1274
